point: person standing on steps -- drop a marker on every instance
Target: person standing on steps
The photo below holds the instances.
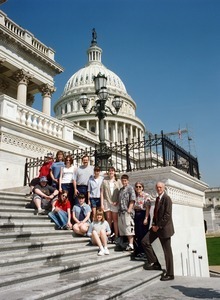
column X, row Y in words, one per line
column 162, row 228
column 126, row 199
column 56, row 168
column 142, row 218
column 81, row 178
column 109, row 199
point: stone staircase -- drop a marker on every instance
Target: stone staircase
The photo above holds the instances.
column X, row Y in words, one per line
column 39, row 262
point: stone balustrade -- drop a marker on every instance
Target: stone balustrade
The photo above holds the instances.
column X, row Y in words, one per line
column 28, row 37
column 33, row 119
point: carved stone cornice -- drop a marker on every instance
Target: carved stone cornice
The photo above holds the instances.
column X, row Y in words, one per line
column 2, row 60
column 22, row 76
column 47, row 90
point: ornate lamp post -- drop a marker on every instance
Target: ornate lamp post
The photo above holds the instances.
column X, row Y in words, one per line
column 101, row 109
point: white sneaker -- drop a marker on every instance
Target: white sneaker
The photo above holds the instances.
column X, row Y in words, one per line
column 106, row 251
column 101, row 252
column 41, row 212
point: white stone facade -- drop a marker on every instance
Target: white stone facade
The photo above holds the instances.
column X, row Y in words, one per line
column 189, row 240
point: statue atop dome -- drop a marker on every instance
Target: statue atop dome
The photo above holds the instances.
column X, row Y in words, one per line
column 94, row 37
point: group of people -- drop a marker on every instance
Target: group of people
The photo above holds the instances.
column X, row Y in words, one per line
column 96, row 205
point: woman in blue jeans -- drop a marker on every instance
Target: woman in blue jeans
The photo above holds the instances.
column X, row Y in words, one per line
column 60, row 214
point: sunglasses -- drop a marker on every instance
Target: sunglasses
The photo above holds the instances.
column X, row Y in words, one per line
column 138, row 186
column 68, row 160
column 65, row 196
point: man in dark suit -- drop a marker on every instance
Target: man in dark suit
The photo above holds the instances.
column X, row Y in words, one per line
column 162, row 228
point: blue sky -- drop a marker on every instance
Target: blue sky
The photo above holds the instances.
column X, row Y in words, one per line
column 167, row 53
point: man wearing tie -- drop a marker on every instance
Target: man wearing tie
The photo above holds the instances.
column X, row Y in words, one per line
column 162, row 228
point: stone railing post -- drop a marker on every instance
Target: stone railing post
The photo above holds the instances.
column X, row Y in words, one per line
column 46, row 92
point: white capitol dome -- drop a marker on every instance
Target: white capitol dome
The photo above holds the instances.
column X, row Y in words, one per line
column 118, row 127
column 85, row 76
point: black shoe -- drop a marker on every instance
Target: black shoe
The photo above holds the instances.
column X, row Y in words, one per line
column 167, row 277
column 153, row 266
column 141, row 257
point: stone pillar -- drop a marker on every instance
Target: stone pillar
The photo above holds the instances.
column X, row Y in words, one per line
column 131, row 133
column 136, row 134
column 46, row 92
column 107, row 129
column 116, row 132
column 22, row 77
column 124, row 132
column 87, row 125
column 97, row 127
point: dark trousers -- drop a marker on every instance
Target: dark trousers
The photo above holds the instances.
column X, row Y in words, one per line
column 147, row 241
column 140, row 229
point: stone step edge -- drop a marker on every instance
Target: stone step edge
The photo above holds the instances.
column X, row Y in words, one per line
column 37, row 244
column 35, row 258
column 24, row 234
column 101, row 279
column 23, row 253
column 145, row 278
column 53, row 270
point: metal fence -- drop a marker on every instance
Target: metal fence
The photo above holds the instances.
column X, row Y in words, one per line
column 156, row 151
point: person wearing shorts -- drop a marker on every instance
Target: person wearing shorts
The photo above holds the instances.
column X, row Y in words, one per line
column 94, row 190
column 109, row 200
column 126, row 211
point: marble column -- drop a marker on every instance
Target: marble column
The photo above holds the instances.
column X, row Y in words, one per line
column 46, row 92
column 136, row 134
column 131, row 133
column 116, row 132
column 87, row 125
column 107, row 130
column 22, row 77
column 124, row 133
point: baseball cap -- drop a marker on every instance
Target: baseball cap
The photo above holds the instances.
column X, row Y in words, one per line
column 43, row 178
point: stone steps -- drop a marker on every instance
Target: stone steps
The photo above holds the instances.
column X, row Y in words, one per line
column 77, row 281
column 39, row 262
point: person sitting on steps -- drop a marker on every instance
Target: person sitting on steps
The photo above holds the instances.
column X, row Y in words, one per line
column 99, row 231
column 81, row 216
column 60, row 214
column 44, row 196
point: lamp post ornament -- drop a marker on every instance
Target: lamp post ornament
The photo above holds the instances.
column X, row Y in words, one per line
column 101, row 110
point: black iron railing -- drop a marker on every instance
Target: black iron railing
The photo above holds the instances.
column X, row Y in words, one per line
column 156, row 151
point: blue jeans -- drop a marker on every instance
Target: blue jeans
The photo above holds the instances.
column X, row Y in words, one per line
column 60, row 218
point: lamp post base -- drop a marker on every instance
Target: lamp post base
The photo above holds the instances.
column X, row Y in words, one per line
column 103, row 153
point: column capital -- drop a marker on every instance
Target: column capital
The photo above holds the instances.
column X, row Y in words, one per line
column 22, row 76
column 47, row 90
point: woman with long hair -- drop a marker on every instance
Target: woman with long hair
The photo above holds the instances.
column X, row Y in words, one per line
column 109, row 199
column 60, row 213
column 66, row 178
